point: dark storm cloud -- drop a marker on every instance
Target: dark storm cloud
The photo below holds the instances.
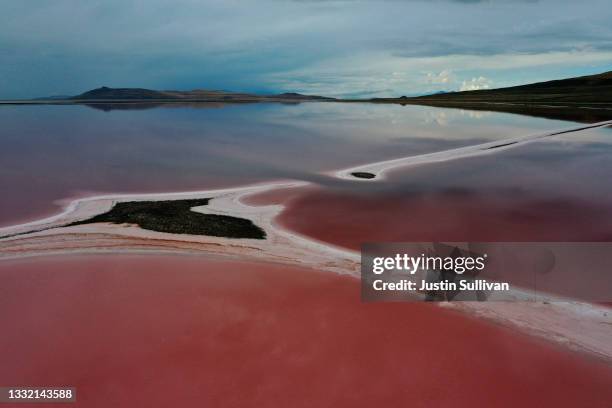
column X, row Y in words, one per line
column 61, row 46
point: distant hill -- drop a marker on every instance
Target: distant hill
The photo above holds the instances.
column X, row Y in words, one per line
column 120, row 93
column 590, row 89
column 582, row 99
column 298, row 96
column 140, row 94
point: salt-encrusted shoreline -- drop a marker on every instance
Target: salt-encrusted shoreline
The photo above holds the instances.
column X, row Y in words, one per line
column 580, row 326
column 380, row 169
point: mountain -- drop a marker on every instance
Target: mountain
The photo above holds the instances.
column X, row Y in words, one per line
column 298, row 96
column 140, row 94
column 583, row 99
column 120, row 93
column 591, row 89
column 107, row 94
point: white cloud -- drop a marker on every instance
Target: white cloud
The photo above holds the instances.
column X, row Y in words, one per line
column 444, row 77
column 384, row 74
column 475, row 84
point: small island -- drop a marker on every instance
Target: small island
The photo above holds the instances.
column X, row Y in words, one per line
column 363, row 175
column 176, row 217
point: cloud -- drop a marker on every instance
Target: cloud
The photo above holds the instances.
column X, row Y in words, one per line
column 475, row 84
column 380, row 72
column 444, row 77
column 330, row 47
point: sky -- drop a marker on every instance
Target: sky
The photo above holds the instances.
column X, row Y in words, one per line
column 342, row 48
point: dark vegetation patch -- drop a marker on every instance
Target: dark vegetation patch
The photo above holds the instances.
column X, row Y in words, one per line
column 363, row 175
column 176, row 217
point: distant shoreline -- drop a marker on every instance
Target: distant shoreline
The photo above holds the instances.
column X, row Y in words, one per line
column 586, row 99
column 580, row 112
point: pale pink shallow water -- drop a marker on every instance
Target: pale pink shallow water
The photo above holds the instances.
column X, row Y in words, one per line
column 158, row 331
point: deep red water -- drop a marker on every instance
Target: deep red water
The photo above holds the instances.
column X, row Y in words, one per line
column 185, row 331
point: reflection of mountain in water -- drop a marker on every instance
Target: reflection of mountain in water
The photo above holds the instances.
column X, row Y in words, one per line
column 108, row 99
column 107, row 107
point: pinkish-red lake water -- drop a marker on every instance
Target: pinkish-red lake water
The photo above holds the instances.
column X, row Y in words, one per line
column 151, row 331
column 159, row 331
